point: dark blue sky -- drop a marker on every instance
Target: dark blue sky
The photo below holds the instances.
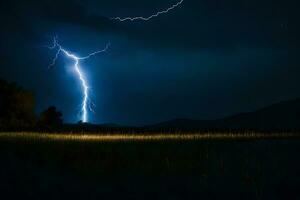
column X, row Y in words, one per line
column 204, row 60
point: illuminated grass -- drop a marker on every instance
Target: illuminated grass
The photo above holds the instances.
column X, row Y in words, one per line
column 89, row 162
column 145, row 136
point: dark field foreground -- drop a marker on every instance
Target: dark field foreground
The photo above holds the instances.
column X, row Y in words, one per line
column 182, row 168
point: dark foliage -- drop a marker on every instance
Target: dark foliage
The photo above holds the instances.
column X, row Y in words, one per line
column 16, row 106
column 50, row 118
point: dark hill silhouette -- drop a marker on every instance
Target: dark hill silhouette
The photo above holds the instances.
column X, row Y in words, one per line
column 283, row 116
column 277, row 117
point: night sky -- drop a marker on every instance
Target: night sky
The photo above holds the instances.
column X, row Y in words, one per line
column 206, row 59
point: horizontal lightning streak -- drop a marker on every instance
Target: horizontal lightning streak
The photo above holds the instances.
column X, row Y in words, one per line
column 150, row 17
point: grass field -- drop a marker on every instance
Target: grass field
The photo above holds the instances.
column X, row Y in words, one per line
column 149, row 166
column 144, row 137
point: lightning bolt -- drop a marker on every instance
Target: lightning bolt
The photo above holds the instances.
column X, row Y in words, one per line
column 150, row 17
column 86, row 104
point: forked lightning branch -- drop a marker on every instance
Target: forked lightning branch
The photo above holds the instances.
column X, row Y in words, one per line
column 86, row 104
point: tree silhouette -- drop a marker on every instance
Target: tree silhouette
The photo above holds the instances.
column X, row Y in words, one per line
column 50, row 118
column 16, row 106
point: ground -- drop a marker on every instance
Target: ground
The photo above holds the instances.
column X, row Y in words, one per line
column 258, row 168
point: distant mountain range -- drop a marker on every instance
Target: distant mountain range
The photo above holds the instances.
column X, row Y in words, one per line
column 281, row 116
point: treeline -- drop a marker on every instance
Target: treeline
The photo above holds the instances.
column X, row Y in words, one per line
column 17, row 110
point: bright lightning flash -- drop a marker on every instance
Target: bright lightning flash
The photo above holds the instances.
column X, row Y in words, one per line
column 150, row 17
column 86, row 102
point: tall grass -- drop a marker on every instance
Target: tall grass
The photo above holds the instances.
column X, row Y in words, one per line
column 106, row 137
column 256, row 164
